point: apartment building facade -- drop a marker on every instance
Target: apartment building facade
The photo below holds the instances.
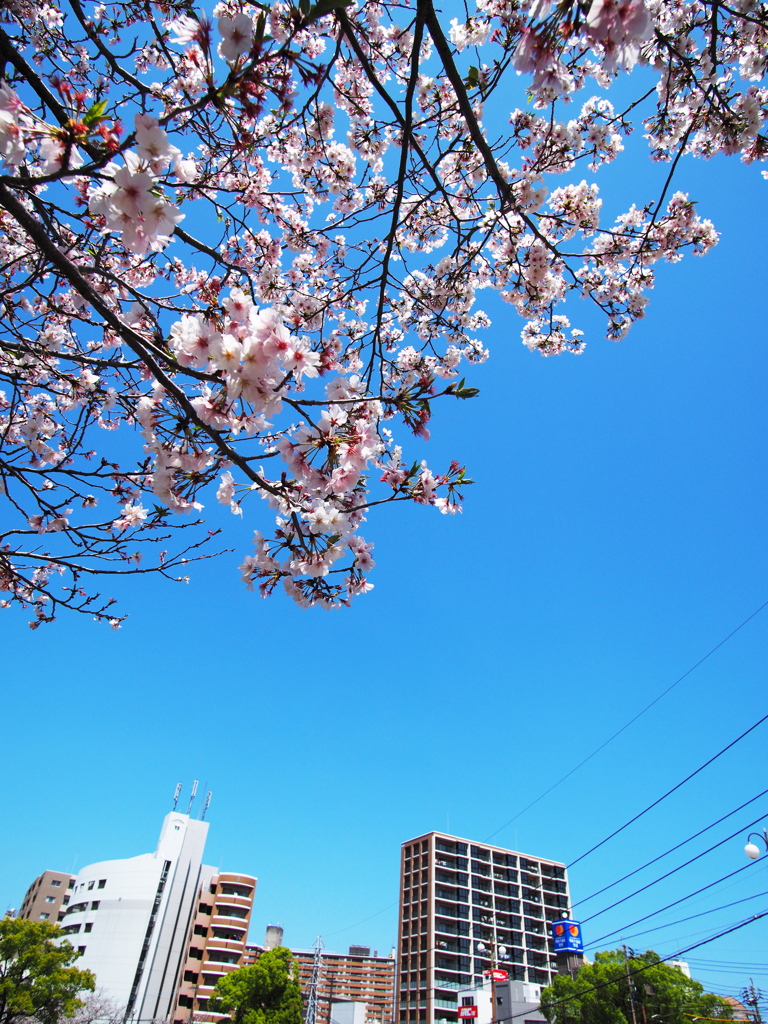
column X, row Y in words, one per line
column 47, row 898
column 465, row 909
column 353, row 977
column 216, row 944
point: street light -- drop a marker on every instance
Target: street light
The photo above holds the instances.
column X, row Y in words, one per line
column 495, row 951
column 753, row 851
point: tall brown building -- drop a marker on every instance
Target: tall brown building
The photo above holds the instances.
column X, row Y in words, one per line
column 47, row 896
column 216, row 942
column 466, row 908
column 355, row 976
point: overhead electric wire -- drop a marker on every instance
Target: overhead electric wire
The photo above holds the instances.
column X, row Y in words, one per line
column 692, row 917
column 710, row 885
column 673, row 871
column 630, row 722
column 728, row 963
column 639, row 970
column 669, row 792
column 350, row 926
column 670, row 850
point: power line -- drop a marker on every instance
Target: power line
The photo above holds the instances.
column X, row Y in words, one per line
column 670, row 850
column 669, row 906
column 630, row 722
column 673, row 871
column 692, row 917
column 365, row 919
column 669, row 791
column 639, row 970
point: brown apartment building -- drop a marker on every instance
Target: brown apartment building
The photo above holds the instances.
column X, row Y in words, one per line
column 47, row 897
column 354, row 976
column 466, row 908
column 216, row 943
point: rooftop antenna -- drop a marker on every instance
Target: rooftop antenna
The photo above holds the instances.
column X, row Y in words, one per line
column 207, row 805
column 192, row 797
column 176, row 795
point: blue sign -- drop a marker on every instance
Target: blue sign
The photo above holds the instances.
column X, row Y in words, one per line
column 567, row 936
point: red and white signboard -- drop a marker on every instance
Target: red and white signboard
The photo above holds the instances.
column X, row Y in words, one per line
column 497, row 975
column 467, row 1012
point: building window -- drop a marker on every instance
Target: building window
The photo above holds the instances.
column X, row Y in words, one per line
column 55, row 882
column 102, row 882
column 95, row 904
column 50, row 899
column 44, row 917
column 81, row 949
column 71, row 884
column 90, row 885
column 88, row 927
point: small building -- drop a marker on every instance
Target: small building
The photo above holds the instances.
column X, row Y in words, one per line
column 46, row 899
column 516, row 1001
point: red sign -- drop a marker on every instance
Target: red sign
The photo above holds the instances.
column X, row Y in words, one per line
column 465, row 1012
column 497, row 975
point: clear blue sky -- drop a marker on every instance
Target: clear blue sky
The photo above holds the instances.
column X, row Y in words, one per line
column 616, row 533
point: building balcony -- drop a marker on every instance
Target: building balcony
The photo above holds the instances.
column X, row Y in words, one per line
column 237, row 916
column 225, row 945
column 228, row 899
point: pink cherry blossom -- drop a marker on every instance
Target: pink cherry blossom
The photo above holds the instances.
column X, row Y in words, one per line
column 261, row 255
column 236, row 35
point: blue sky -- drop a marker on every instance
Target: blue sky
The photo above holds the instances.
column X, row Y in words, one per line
column 614, row 535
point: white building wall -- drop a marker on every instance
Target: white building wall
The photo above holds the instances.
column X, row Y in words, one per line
column 348, row 1011
column 139, row 910
column 516, row 1002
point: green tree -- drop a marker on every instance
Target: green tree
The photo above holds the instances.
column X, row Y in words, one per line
column 268, row 992
column 37, row 979
column 625, row 988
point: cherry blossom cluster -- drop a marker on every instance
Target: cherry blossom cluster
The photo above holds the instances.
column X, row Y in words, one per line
column 244, row 251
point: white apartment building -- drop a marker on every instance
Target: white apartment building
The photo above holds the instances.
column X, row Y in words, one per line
column 131, row 919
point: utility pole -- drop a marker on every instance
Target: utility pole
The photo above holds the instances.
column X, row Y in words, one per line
column 630, row 988
column 751, row 997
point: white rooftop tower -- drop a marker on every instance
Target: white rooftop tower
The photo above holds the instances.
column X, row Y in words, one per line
column 131, row 918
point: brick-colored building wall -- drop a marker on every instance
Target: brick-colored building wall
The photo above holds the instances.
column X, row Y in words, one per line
column 216, row 943
column 47, row 897
column 364, row 979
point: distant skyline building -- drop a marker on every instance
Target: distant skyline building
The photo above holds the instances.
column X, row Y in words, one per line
column 465, row 908
column 47, row 897
column 353, row 977
column 131, row 919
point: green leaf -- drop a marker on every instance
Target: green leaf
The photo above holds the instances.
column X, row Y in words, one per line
column 95, row 113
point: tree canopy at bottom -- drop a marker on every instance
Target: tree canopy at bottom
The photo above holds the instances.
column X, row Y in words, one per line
column 625, row 988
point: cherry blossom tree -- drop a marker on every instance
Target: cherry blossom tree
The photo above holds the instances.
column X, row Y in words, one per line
column 242, row 250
